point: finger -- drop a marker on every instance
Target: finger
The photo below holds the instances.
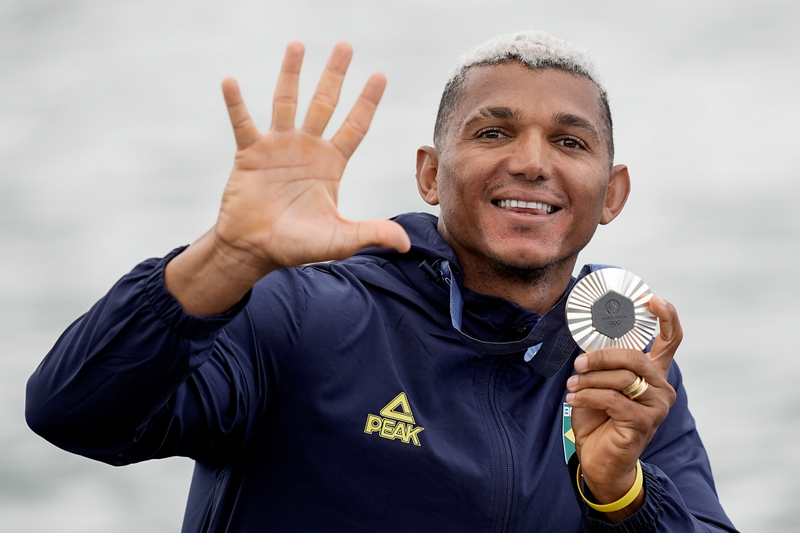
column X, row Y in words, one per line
column 608, row 379
column 608, row 401
column 605, row 368
column 327, row 94
column 609, row 429
column 381, row 233
column 284, row 104
column 615, row 359
column 244, row 130
column 357, row 123
column 650, row 408
column 670, row 334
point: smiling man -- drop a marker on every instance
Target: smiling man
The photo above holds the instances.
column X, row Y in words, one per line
column 521, row 159
column 426, row 383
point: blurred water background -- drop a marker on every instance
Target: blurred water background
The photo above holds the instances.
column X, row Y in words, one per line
column 115, row 146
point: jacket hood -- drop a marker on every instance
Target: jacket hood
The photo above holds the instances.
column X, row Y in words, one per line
column 430, row 270
column 426, row 243
column 486, row 316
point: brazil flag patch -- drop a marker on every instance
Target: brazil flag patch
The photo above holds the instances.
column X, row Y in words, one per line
column 568, row 434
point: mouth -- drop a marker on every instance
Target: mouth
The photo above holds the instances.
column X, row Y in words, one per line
column 528, row 208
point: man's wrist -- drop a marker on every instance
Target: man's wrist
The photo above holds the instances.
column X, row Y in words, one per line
column 618, row 509
column 209, row 277
column 612, row 492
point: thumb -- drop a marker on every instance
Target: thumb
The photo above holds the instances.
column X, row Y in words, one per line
column 381, row 233
column 669, row 336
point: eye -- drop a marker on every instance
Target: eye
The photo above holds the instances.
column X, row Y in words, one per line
column 572, row 143
column 491, row 133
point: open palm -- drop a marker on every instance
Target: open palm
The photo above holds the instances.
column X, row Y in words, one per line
column 279, row 206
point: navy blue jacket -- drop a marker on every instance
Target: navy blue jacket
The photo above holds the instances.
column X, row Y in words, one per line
column 340, row 397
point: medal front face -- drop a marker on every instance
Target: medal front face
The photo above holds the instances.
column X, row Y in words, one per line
column 610, row 308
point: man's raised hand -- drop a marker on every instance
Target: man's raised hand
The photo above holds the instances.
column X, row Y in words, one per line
column 279, row 206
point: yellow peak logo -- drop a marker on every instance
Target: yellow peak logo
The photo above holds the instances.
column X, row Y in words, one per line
column 396, row 422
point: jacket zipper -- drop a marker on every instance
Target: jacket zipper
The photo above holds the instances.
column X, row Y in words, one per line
column 506, row 497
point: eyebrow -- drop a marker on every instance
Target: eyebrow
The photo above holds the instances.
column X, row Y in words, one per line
column 502, row 113
column 567, row 119
column 506, row 113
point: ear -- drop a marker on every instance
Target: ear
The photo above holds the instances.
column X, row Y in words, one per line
column 619, row 186
column 427, row 170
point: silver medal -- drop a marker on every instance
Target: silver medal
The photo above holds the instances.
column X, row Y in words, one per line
column 610, row 308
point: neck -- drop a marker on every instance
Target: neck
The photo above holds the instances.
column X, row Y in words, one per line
column 534, row 288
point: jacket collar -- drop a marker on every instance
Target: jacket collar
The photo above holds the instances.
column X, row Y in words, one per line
column 548, row 344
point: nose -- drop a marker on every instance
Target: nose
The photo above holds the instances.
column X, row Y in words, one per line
column 530, row 156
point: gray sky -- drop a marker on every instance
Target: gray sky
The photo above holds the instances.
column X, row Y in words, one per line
column 115, row 146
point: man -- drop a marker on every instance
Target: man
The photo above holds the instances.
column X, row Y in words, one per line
column 392, row 391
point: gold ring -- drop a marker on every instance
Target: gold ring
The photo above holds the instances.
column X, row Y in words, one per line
column 636, row 389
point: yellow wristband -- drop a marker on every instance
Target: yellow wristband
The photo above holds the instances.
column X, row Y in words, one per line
column 623, row 502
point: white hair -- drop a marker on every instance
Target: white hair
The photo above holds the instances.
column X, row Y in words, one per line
column 535, row 50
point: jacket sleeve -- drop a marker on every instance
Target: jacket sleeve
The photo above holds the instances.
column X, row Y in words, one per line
column 137, row 377
column 679, row 488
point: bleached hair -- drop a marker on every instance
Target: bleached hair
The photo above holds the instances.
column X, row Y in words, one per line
column 534, row 49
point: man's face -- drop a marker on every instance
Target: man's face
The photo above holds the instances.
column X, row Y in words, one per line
column 523, row 173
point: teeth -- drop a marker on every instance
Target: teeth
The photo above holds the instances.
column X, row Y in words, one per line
column 528, row 205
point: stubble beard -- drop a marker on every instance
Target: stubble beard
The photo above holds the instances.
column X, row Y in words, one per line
column 537, row 275
column 529, row 274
